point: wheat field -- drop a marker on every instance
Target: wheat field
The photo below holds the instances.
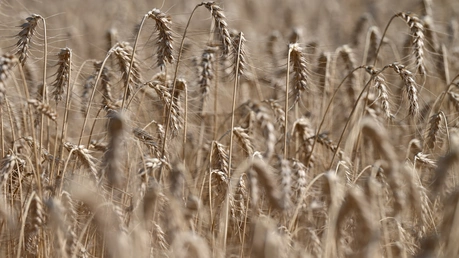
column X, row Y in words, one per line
column 266, row 128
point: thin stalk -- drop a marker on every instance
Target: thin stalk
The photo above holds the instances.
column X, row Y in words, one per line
column 126, row 86
column 354, row 108
column 169, row 113
column 65, row 119
column 326, row 112
column 44, row 92
column 185, row 123
column 233, row 108
column 85, row 120
column 287, row 81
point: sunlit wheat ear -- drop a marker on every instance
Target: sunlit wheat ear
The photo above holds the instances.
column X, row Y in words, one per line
column 7, row 62
column 164, row 40
column 25, row 37
column 62, row 74
column 417, row 30
column 380, row 85
column 410, row 87
column 123, row 53
column 221, row 24
column 299, row 66
column 43, row 108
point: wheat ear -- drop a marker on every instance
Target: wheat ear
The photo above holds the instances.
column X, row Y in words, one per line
column 410, row 87
column 62, row 74
column 43, row 109
column 221, row 24
column 164, row 40
column 7, row 63
column 25, row 37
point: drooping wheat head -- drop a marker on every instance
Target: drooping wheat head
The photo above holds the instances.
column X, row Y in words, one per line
column 25, row 37
column 417, row 30
column 221, row 25
column 164, row 40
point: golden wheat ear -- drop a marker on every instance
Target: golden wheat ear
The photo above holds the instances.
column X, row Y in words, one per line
column 25, row 37
column 164, row 41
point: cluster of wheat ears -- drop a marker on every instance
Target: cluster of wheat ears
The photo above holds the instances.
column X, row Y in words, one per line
column 177, row 144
